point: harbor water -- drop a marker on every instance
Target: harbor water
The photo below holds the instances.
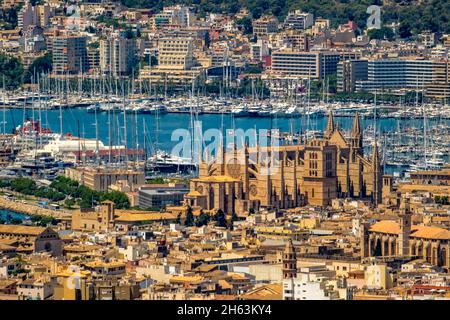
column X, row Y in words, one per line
column 159, row 129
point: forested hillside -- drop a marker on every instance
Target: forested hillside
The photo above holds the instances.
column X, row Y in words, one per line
column 413, row 15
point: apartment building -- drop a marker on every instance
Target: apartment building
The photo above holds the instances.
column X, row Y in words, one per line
column 446, row 40
column 175, row 15
column 265, row 26
column 69, row 55
column 430, row 76
column 298, row 20
column 175, row 53
column 176, row 61
column 314, row 65
column 117, row 56
column 101, row 178
column 350, row 71
column 259, row 50
column 93, row 59
column 161, row 196
column 439, row 88
column 34, row 16
column 296, row 39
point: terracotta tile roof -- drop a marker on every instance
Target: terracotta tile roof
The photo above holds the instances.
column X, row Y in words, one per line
column 267, row 292
column 392, row 227
column 386, row 226
column 145, row 216
column 225, row 284
column 431, row 233
column 21, row 230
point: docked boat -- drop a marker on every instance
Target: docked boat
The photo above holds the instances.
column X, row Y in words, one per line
column 166, row 163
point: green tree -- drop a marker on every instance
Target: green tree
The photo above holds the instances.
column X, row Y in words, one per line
column 11, row 70
column 202, row 219
column 24, row 185
column 405, row 30
column 207, row 40
column 69, row 203
column 246, row 24
column 381, row 34
column 120, row 199
column 221, row 220
column 189, row 221
column 16, row 221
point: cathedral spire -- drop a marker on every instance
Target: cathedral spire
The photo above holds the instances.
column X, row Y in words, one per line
column 356, row 130
column 375, row 157
column 330, row 125
column 356, row 136
column 377, row 175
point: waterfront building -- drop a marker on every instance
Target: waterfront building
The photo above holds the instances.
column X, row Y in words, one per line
column 159, row 196
column 439, row 88
column 348, row 72
column 396, row 74
column 101, row 178
column 117, row 55
column 175, row 53
column 93, row 54
column 69, row 55
column 314, row 65
column 313, row 173
column 176, row 62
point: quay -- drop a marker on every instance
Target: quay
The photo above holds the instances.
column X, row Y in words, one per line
column 29, row 209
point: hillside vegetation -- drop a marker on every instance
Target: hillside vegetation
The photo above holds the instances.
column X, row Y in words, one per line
column 414, row 16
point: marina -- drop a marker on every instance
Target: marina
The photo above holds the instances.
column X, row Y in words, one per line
column 401, row 139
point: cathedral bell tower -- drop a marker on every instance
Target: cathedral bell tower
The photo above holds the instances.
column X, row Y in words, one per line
column 330, row 126
column 289, row 261
column 377, row 176
column 405, row 229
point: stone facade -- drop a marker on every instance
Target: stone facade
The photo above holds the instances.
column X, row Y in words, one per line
column 401, row 238
column 314, row 173
column 100, row 218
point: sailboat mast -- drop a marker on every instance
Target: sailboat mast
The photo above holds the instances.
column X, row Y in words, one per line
column 4, row 106
column 109, row 137
column 124, row 125
column 96, row 137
